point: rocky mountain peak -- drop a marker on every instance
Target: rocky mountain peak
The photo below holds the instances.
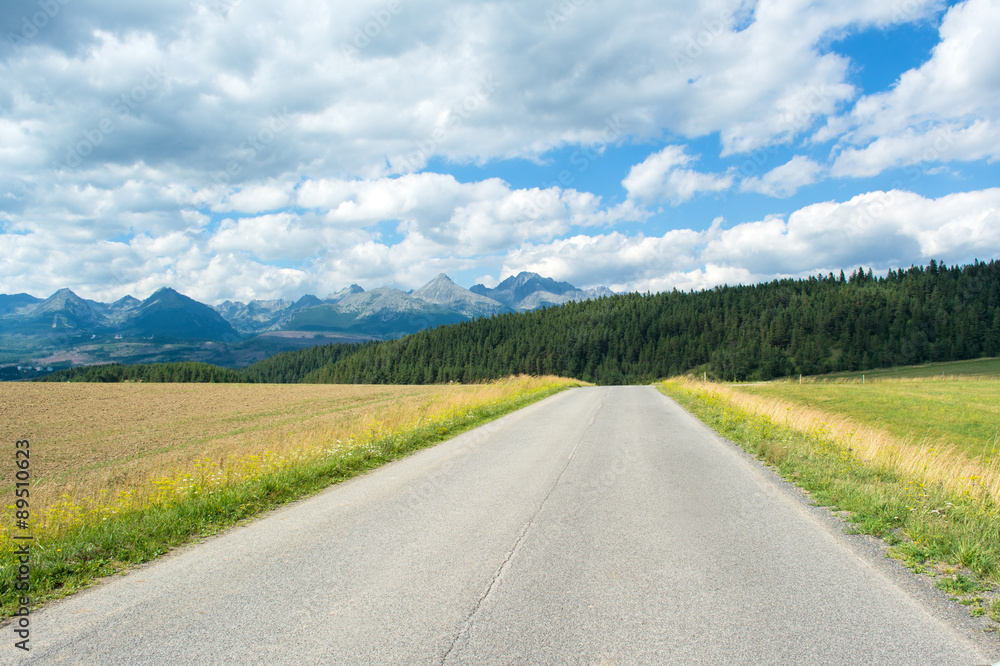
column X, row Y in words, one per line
column 443, row 291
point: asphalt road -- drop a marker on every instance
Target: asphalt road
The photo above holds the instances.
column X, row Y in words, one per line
column 603, row 525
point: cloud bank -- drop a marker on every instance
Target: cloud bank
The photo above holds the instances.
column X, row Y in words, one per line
column 239, row 149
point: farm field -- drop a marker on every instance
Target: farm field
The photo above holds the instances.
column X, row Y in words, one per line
column 962, row 412
column 113, row 435
column 94, row 441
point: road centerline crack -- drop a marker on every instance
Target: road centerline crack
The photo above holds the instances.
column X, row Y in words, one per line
column 505, row 565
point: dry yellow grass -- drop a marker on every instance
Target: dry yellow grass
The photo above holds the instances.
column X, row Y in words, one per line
column 94, row 442
column 928, row 461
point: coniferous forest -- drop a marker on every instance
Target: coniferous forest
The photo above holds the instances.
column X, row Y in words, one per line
column 785, row 327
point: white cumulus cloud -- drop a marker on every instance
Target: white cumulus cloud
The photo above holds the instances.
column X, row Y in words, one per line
column 945, row 110
column 663, row 177
column 785, row 180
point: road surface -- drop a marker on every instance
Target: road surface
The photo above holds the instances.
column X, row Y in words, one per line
column 600, row 526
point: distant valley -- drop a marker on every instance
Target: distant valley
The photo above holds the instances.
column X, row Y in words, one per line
column 65, row 329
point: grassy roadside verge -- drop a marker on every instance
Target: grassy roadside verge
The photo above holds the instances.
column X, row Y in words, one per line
column 82, row 546
column 950, row 530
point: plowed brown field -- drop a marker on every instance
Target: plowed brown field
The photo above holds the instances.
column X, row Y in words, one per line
column 89, row 441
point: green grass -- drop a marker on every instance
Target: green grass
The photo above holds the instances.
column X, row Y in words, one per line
column 980, row 367
column 959, row 584
column 75, row 558
column 932, row 529
column 965, row 412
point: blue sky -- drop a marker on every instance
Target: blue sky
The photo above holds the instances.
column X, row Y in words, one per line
column 239, row 149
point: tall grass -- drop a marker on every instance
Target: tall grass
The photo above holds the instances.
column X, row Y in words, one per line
column 87, row 531
column 933, row 461
column 955, row 411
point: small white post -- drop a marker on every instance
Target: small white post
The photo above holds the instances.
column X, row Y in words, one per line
column 800, row 378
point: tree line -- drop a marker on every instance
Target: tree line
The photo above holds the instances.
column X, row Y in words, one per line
column 825, row 323
column 184, row 371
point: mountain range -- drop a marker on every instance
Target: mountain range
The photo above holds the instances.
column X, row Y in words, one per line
column 391, row 313
column 165, row 313
column 31, row 327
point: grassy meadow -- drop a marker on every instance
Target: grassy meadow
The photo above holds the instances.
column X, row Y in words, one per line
column 913, row 461
column 953, row 411
column 121, row 473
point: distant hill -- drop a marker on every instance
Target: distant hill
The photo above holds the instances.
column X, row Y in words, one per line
column 62, row 311
column 170, row 314
column 13, row 302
